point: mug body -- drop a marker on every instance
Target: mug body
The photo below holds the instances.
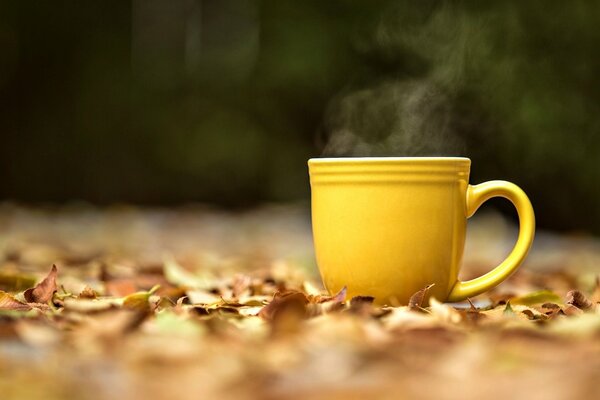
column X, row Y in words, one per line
column 387, row 227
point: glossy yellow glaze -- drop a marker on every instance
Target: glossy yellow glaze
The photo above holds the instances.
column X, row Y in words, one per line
column 387, row 227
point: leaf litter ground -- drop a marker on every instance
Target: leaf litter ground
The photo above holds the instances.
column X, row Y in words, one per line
column 197, row 303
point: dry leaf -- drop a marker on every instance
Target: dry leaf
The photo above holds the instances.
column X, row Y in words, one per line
column 444, row 312
column 120, row 287
column 539, row 297
column 43, row 291
column 338, row 297
column 473, row 314
column 551, row 310
column 578, row 299
column 177, row 275
column 88, row 293
column 508, row 310
column 290, row 302
column 8, row 302
column 417, row 299
column 362, row 305
column 139, row 301
column 202, row 297
column 85, row 306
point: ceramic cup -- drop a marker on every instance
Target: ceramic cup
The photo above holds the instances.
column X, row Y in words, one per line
column 388, row 227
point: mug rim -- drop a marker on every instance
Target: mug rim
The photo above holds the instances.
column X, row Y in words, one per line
column 388, row 169
column 384, row 159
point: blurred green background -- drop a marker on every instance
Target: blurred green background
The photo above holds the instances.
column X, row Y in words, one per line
column 222, row 101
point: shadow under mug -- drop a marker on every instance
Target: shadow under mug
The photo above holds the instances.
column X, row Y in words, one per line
column 387, row 227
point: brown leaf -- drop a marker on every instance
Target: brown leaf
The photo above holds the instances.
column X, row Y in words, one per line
column 43, row 291
column 338, row 297
column 473, row 314
column 551, row 310
column 88, row 293
column 550, row 306
column 120, row 287
column 571, row 310
column 325, row 304
column 361, row 305
column 290, row 302
column 286, row 312
column 578, row 299
column 534, row 316
column 8, row 302
column 416, row 300
column 498, row 299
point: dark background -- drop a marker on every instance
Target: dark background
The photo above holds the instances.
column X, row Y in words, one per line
column 223, row 101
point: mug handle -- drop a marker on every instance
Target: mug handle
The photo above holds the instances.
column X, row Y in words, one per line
column 476, row 196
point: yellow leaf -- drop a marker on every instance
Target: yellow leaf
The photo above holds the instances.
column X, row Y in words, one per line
column 539, row 297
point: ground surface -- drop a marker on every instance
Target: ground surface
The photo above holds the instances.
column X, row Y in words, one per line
column 199, row 304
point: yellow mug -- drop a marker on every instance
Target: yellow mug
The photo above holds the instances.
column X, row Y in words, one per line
column 387, row 227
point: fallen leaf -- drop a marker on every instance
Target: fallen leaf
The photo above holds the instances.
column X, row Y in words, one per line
column 177, row 275
column 534, row 316
column 168, row 322
column 578, row 299
column 444, row 312
column 338, row 297
column 551, row 306
column 290, row 302
column 402, row 318
column 361, row 305
column 571, row 310
column 8, row 302
column 201, row 297
column 508, row 310
column 416, row 300
column 91, row 305
column 539, row 297
column 120, row 287
column 43, row 291
column 139, row 301
column 471, row 315
column 88, row 293
column 551, row 310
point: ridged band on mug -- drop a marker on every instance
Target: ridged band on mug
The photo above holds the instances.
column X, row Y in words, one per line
column 388, row 169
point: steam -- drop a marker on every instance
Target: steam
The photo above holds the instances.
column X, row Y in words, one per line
column 407, row 118
column 438, row 46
